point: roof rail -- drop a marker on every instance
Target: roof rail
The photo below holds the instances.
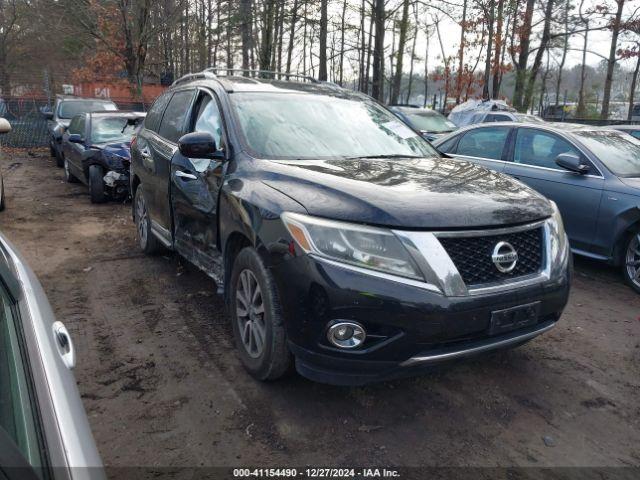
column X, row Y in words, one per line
column 221, row 71
column 194, row 76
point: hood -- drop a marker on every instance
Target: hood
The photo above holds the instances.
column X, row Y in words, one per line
column 121, row 149
column 431, row 136
column 633, row 182
column 429, row 193
column 65, row 122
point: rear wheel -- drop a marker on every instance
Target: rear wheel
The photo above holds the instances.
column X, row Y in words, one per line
column 59, row 158
column 2, row 203
column 96, row 184
column 631, row 261
column 68, row 176
column 148, row 242
column 258, row 326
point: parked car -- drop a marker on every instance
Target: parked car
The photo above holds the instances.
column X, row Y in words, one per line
column 341, row 239
column 44, row 432
column 472, row 112
column 592, row 174
column 429, row 123
column 5, row 127
column 96, row 148
column 633, row 130
column 64, row 109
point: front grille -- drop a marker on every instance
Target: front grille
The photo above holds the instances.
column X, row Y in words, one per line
column 472, row 255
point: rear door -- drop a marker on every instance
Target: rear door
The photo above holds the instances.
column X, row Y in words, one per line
column 156, row 149
column 577, row 196
column 486, row 146
column 195, row 187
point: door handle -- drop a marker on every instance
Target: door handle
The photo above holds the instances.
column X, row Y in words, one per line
column 65, row 345
column 185, row 175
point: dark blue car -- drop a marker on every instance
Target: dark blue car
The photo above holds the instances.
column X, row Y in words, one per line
column 592, row 174
column 96, row 151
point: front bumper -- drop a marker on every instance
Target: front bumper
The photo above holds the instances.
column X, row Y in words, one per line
column 409, row 328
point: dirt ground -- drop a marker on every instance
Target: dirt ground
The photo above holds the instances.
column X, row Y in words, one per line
column 162, row 385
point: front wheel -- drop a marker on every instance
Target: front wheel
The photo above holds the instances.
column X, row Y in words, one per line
column 148, row 242
column 258, row 326
column 96, row 184
column 631, row 261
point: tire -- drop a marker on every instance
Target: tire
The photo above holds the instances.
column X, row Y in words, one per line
column 96, row 184
column 631, row 260
column 59, row 159
column 258, row 326
column 149, row 244
column 68, row 176
column 52, row 150
column 2, row 200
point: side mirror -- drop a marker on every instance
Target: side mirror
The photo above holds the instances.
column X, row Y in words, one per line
column 199, row 145
column 75, row 138
column 572, row 163
column 5, row 126
column 48, row 114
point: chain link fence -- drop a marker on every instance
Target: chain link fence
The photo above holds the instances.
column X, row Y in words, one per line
column 25, row 108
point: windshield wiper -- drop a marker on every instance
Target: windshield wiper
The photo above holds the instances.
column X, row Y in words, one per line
column 364, row 157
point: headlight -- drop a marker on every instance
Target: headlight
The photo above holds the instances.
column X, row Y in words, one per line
column 367, row 247
column 558, row 243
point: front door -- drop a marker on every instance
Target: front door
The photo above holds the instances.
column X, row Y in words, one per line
column 74, row 152
column 577, row 196
column 195, row 187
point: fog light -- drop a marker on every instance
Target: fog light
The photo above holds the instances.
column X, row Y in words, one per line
column 346, row 334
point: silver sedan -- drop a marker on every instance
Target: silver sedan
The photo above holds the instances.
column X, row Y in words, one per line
column 44, row 432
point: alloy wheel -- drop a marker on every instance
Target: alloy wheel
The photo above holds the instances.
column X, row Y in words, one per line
column 250, row 314
column 633, row 260
column 141, row 215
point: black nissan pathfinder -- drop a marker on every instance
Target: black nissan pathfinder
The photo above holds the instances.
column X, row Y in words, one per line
column 343, row 243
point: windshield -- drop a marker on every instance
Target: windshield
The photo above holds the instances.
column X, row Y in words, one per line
column 302, row 126
column 75, row 107
column 521, row 117
column 619, row 152
column 112, row 129
column 430, row 122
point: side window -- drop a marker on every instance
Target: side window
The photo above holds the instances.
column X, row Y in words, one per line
column 484, row 142
column 81, row 124
column 171, row 126
column 540, row 149
column 17, row 415
column 447, row 147
column 208, row 118
column 636, row 133
column 74, row 125
column 152, row 121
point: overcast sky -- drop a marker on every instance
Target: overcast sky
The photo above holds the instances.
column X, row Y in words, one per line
column 599, row 41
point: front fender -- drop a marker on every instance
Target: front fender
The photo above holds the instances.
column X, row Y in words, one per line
column 253, row 209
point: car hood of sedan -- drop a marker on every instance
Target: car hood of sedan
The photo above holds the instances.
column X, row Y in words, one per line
column 122, row 149
column 430, row 193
